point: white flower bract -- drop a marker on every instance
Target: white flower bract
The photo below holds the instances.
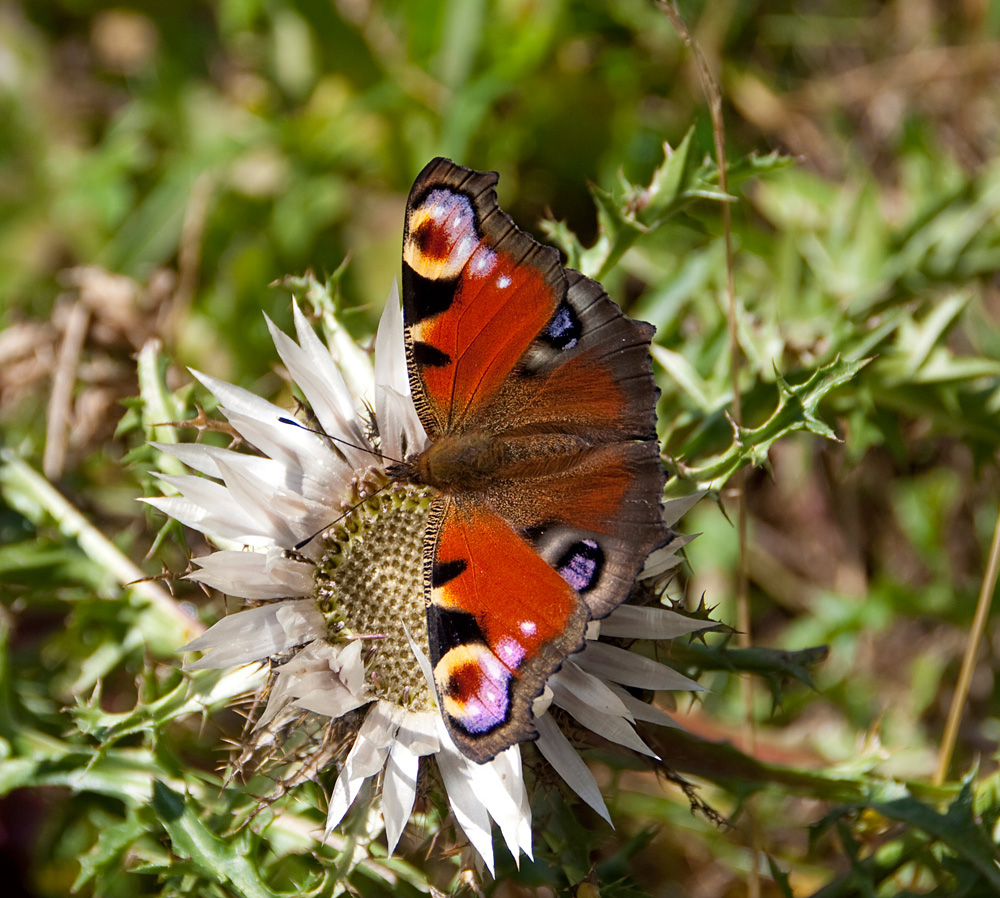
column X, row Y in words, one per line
column 342, row 629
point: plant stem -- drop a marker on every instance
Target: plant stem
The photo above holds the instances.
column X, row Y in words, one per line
column 969, row 659
column 33, row 496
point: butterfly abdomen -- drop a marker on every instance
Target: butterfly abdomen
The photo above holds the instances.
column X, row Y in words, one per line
column 475, row 461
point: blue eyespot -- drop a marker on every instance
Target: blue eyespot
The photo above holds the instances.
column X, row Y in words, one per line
column 563, row 331
column 581, row 565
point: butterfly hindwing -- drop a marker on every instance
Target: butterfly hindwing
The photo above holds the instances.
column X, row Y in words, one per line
column 600, row 513
column 602, row 361
column 537, row 395
column 610, row 495
column 500, row 621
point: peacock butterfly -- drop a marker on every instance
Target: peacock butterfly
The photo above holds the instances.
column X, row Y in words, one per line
column 537, row 396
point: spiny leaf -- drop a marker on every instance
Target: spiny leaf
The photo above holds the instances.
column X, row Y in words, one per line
column 618, row 229
column 198, row 693
column 215, row 858
column 675, row 184
column 775, row 665
column 109, row 850
column 797, row 410
column 957, row 828
column 669, row 180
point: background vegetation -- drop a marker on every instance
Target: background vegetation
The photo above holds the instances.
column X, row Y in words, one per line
column 162, row 163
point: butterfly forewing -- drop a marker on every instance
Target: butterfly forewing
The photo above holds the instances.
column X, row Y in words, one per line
column 476, row 292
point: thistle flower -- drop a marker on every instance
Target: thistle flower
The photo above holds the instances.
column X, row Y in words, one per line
column 327, row 552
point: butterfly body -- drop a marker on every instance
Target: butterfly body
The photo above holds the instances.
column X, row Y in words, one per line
column 537, row 396
column 472, row 461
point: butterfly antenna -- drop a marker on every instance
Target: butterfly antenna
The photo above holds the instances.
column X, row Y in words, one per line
column 357, row 505
column 320, row 433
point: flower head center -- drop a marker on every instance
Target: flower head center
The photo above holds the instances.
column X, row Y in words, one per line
column 369, row 585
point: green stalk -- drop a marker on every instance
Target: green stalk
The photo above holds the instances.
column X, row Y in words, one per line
column 32, row 495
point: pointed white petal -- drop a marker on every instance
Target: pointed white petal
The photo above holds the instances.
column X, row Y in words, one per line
column 589, row 689
column 246, row 582
column 390, row 353
column 261, row 503
column 500, row 785
column 641, row 710
column 419, row 731
column 345, row 790
column 397, row 419
column 257, row 633
column 658, row 564
column 675, row 509
column 309, row 682
column 209, row 508
column 257, row 466
column 665, row 557
column 294, row 575
column 217, row 501
column 304, row 496
column 350, row 667
column 206, row 493
column 555, row 748
column 187, row 512
column 381, row 724
column 399, row 789
column 610, row 726
column 262, row 424
column 318, row 669
column 468, row 807
column 348, row 364
column 254, row 575
column 292, row 679
column 239, row 400
column 524, row 827
column 631, row 669
column 332, row 699
column 313, row 468
column 196, row 456
column 319, row 380
column 425, row 665
column 367, row 755
column 277, row 700
column 400, row 427
column 318, row 655
column 320, row 358
column 541, row 704
column 634, row 622
column 352, row 362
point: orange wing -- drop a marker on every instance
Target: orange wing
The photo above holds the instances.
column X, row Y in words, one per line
column 476, row 292
column 500, row 621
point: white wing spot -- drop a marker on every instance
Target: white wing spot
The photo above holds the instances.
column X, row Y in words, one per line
column 464, row 248
column 503, row 282
column 510, row 651
column 483, row 261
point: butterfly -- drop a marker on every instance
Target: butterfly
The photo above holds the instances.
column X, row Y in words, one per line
column 536, row 392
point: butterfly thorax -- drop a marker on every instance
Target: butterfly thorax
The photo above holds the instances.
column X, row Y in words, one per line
column 465, row 462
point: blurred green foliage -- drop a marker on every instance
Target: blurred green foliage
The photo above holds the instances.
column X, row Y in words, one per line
column 162, row 163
